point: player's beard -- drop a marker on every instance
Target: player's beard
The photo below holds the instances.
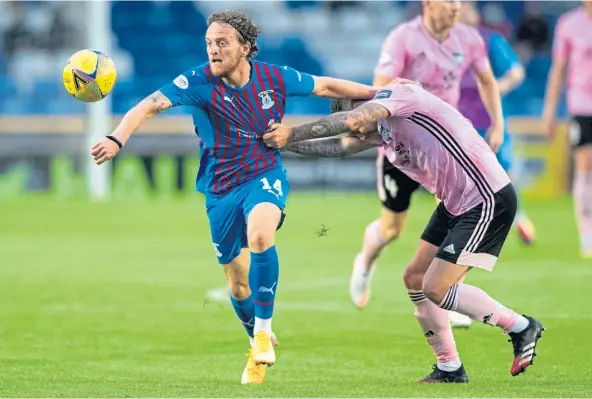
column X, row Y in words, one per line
column 441, row 25
column 228, row 66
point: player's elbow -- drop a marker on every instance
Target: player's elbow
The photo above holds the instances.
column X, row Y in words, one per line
column 517, row 73
column 322, row 86
column 350, row 123
column 487, row 80
column 145, row 109
column 557, row 71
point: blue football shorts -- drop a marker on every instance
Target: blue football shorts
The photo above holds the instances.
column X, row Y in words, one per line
column 228, row 214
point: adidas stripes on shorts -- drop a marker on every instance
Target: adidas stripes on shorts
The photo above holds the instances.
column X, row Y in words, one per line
column 476, row 237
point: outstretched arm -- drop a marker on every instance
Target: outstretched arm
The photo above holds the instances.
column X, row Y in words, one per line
column 144, row 110
column 341, row 122
column 339, row 88
column 360, row 120
column 336, row 147
column 107, row 148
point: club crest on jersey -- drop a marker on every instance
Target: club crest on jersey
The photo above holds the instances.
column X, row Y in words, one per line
column 458, row 57
column 266, row 101
column 385, row 133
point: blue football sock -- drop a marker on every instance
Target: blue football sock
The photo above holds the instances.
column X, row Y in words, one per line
column 263, row 278
column 245, row 311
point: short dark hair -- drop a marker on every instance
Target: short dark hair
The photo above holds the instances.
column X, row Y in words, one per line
column 248, row 31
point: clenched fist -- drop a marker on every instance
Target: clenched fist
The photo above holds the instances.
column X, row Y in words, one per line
column 104, row 150
column 278, row 135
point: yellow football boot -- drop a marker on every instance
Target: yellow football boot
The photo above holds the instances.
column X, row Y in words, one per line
column 263, row 352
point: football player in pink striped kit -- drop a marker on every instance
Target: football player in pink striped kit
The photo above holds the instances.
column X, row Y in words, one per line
column 435, row 145
column 435, row 50
column 572, row 62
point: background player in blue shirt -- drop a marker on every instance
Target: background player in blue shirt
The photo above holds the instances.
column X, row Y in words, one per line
column 509, row 73
column 234, row 100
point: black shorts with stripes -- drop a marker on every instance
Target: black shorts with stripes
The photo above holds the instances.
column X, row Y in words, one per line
column 476, row 237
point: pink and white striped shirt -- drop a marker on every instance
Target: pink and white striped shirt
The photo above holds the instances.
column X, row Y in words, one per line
column 573, row 43
column 435, row 145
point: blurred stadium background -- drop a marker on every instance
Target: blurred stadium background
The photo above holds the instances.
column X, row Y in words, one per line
column 115, row 299
column 153, row 41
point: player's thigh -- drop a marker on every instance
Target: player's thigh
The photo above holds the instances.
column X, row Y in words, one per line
column 227, row 226
column 476, row 237
column 394, row 190
column 391, row 224
column 583, row 158
column 433, row 235
column 237, row 275
column 263, row 208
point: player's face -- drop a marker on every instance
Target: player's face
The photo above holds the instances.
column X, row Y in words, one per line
column 225, row 52
column 444, row 13
column 587, row 5
column 469, row 14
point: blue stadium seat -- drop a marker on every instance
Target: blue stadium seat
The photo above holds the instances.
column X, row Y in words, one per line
column 7, row 87
column 297, row 56
column 302, row 4
column 165, row 38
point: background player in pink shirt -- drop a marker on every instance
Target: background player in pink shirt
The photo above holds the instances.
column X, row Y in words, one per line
column 437, row 146
column 434, row 50
column 572, row 56
column 509, row 73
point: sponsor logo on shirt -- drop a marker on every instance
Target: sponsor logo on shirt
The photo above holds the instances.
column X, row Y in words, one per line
column 383, row 94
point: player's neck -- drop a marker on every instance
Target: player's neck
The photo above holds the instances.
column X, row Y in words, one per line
column 240, row 76
column 434, row 30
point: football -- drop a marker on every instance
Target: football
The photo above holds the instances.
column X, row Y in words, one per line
column 89, row 75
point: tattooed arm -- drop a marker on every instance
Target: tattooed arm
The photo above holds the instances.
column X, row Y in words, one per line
column 341, row 122
column 133, row 119
column 336, row 147
column 359, row 120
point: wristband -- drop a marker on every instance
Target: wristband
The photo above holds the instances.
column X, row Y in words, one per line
column 116, row 141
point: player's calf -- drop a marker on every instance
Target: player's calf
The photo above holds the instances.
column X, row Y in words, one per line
column 236, row 273
column 432, row 319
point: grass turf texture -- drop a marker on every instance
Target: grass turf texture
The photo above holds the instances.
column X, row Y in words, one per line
column 111, row 300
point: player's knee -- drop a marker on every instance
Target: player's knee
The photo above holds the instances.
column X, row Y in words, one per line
column 434, row 290
column 391, row 225
column 413, row 277
column 390, row 232
column 239, row 290
column 260, row 240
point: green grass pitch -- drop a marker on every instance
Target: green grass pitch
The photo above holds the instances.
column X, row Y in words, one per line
column 119, row 300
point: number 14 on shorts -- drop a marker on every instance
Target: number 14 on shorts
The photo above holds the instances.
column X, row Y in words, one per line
column 276, row 189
